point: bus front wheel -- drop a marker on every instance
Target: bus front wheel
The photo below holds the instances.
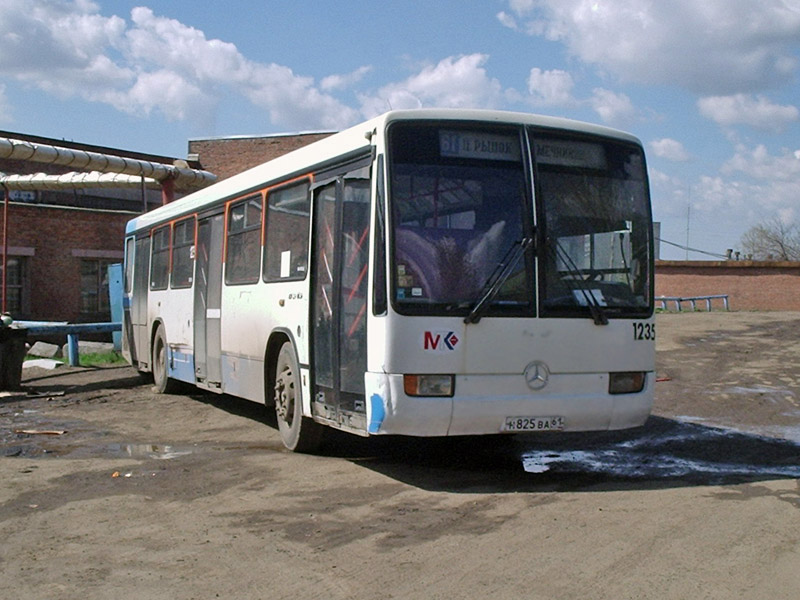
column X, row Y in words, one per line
column 298, row 433
column 163, row 384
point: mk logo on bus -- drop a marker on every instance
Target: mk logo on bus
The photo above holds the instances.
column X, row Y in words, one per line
column 439, row 341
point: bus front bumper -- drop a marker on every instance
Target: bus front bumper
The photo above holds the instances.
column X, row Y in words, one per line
column 489, row 404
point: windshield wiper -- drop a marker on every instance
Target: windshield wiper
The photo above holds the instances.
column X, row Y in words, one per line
column 498, row 277
column 581, row 283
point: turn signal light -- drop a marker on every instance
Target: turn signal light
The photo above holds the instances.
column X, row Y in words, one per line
column 428, row 385
column 630, row 382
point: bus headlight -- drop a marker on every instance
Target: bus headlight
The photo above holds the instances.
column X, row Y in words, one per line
column 428, row 385
column 629, row 382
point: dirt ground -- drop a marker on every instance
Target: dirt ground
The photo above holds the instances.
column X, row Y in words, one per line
column 192, row 496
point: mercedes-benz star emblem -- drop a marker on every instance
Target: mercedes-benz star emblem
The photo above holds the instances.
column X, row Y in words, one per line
column 536, row 375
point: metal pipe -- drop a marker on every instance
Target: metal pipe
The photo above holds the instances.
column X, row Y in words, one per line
column 14, row 149
column 71, row 181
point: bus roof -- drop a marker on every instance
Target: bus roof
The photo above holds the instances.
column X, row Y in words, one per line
column 344, row 143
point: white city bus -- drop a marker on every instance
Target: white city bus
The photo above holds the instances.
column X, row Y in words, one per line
column 426, row 273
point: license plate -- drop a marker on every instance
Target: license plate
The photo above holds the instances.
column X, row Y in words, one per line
column 533, row 424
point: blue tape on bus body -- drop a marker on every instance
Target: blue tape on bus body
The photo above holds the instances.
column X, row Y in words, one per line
column 377, row 413
column 181, row 365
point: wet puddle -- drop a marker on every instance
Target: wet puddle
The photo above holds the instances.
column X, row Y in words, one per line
column 673, row 449
column 140, row 451
column 30, row 434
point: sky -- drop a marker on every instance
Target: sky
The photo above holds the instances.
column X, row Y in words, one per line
column 711, row 87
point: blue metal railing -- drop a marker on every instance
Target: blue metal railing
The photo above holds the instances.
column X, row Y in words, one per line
column 692, row 300
column 72, row 331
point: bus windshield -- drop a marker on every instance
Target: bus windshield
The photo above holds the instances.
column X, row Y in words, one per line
column 459, row 208
column 595, row 230
column 462, row 206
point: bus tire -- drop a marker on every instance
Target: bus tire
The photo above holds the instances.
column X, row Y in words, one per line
column 163, row 384
column 298, row 433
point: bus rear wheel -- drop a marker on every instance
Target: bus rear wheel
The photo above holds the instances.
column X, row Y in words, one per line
column 298, row 433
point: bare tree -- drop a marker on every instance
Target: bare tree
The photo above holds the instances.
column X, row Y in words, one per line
column 772, row 240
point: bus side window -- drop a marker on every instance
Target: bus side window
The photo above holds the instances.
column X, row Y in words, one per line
column 159, row 265
column 286, row 246
column 243, row 253
column 182, row 253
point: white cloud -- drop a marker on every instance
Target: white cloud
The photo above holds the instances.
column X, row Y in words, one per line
column 169, row 44
column 337, row 82
column 715, row 47
column 669, row 149
column 613, row 108
column 177, row 98
column 67, row 35
column 555, row 88
column 507, row 20
column 760, row 164
column 71, row 42
column 715, row 194
column 5, row 107
column 742, row 109
column 731, row 200
column 294, row 101
column 454, row 82
column 550, row 88
column 151, row 64
column 203, row 67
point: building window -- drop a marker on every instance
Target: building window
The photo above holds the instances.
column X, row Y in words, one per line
column 15, row 285
column 243, row 249
column 94, row 286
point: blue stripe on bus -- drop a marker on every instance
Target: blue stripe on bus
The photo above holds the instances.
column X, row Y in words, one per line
column 377, row 413
column 181, row 366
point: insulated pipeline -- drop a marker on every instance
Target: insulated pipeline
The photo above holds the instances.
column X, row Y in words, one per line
column 71, row 181
column 14, row 149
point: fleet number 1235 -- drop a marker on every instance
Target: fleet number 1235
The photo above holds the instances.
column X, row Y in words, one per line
column 644, row 331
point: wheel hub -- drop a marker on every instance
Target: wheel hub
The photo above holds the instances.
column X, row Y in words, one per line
column 284, row 394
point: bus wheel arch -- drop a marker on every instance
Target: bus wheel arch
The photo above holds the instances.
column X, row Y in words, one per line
column 298, row 433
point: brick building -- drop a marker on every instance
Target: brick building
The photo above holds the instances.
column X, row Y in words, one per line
column 750, row 285
column 58, row 261
column 61, row 241
column 229, row 156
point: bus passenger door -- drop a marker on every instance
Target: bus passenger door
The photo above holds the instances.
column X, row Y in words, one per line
column 139, row 339
column 207, row 301
column 340, row 263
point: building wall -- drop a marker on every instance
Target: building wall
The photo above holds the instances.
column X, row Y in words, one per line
column 750, row 285
column 57, row 237
column 54, row 242
column 228, row 156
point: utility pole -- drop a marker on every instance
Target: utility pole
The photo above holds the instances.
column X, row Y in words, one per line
column 688, row 217
column 5, row 246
